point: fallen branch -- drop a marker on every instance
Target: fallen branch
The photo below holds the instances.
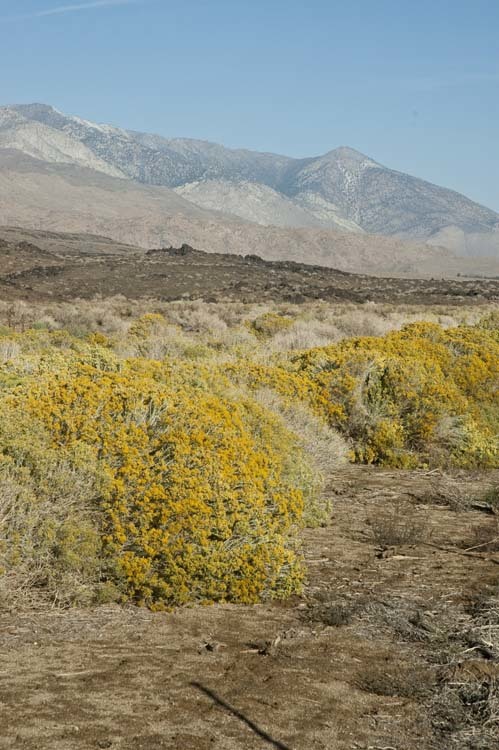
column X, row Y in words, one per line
column 484, row 544
column 464, row 553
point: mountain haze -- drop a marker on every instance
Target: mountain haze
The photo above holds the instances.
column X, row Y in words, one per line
column 63, row 197
column 342, row 188
column 64, row 173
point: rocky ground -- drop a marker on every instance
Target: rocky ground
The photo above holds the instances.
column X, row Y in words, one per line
column 394, row 644
column 54, row 268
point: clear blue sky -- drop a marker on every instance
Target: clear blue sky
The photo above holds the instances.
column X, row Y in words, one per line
column 412, row 83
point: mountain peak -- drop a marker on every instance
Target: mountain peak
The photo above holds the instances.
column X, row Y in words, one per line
column 38, row 112
column 34, row 109
column 348, row 151
column 347, row 154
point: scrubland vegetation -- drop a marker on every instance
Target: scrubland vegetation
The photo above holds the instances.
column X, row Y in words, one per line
column 169, row 453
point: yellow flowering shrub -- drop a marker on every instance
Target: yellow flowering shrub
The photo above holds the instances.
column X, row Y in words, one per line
column 291, row 386
column 50, row 546
column 269, row 324
column 145, row 325
column 198, row 502
column 420, row 395
column 172, row 479
column 490, row 323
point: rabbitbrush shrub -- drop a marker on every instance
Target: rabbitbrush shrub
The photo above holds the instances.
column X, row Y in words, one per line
column 269, row 324
column 197, row 499
column 416, row 396
column 169, row 480
column 50, row 545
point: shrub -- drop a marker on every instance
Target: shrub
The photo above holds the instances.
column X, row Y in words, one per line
column 185, row 477
column 417, row 396
column 396, row 525
column 199, row 502
column 50, row 546
column 269, row 324
column 490, row 323
column 323, row 452
column 9, row 349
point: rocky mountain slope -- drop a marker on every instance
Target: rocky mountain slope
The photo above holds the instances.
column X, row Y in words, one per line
column 40, row 141
column 61, row 197
column 263, row 205
column 341, row 190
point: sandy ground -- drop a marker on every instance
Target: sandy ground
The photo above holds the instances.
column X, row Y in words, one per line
column 372, row 656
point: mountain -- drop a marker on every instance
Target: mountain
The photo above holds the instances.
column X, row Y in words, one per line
column 63, row 173
column 342, row 189
column 58, row 197
column 152, row 159
column 66, row 197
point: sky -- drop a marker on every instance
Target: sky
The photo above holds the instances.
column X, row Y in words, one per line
column 412, row 83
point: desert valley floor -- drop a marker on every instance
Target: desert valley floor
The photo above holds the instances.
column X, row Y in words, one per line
column 397, row 622
column 394, row 642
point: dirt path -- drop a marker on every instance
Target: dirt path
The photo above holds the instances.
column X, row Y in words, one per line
column 359, row 662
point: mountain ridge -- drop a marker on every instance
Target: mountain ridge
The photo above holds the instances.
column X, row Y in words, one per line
column 67, row 198
column 342, row 189
column 154, row 190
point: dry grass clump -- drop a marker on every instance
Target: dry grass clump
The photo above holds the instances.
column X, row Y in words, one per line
column 331, row 610
column 197, row 317
column 465, row 709
column 405, row 619
column 448, row 490
column 484, row 537
column 305, row 334
column 450, row 493
column 398, row 524
column 491, row 499
column 466, row 715
column 396, row 678
column 325, row 447
column 335, row 615
column 9, row 350
column 457, row 683
column 484, row 628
